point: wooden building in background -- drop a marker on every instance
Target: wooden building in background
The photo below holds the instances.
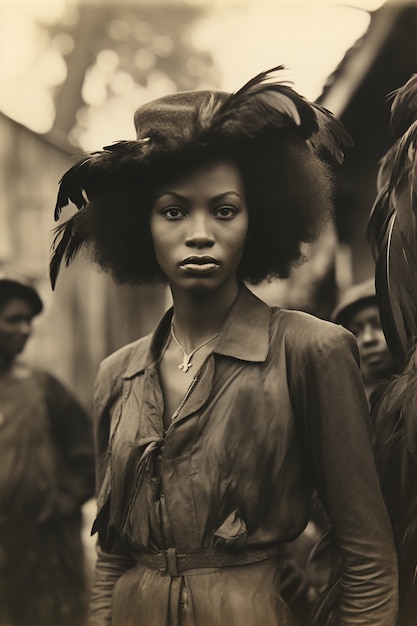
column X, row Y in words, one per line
column 357, row 92
column 88, row 316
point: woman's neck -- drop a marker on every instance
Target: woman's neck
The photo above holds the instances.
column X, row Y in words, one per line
column 200, row 315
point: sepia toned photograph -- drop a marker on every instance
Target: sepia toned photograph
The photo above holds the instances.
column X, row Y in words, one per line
column 208, row 313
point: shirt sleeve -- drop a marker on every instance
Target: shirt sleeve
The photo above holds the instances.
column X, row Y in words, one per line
column 332, row 411
column 109, row 567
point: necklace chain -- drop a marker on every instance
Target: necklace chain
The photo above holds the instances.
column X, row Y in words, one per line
column 186, row 362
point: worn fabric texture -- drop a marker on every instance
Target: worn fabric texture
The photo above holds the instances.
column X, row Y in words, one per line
column 46, row 474
column 277, row 409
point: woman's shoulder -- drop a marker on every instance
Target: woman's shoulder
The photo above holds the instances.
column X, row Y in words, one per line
column 116, row 363
column 109, row 379
column 306, row 330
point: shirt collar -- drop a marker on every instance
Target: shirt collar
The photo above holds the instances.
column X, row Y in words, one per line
column 245, row 334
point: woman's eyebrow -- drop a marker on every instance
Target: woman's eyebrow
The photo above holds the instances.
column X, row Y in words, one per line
column 171, row 194
column 181, row 198
column 225, row 194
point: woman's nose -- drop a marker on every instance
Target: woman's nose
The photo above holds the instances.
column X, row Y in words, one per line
column 199, row 234
column 25, row 328
column 368, row 334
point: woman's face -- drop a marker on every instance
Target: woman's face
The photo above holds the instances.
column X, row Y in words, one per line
column 199, row 223
column 15, row 326
column 376, row 359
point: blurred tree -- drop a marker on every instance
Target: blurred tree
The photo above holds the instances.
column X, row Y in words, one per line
column 127, row 52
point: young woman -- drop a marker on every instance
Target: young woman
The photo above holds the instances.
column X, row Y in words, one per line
column 212, row 432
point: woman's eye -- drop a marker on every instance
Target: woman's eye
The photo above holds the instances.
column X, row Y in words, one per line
column 173, row 213
column 226, row 212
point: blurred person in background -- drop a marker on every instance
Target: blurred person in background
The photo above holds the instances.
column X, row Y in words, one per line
column 358, row 311
column 212, row 432
column 46, row 474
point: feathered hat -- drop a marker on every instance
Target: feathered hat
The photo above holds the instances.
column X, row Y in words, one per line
column 186, row 125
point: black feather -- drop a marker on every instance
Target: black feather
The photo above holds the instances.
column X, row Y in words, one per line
column 331, row 134
column 68, row 240
column 94, row 169
column 403, row 109
column 403, row 115
column 267, row 103
column 378, row 221
column 389, row 268
column 264, row 102
column 392, row 232
column 395, row 448
column 70, row 188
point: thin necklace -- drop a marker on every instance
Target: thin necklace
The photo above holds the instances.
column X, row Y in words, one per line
column 186, row 362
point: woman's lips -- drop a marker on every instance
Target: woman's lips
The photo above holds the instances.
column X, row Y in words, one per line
column 373, row 358
column 200, row 265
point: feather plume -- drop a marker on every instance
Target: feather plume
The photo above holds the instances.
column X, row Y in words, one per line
column 392, row 232
column 69, row 237
column 395, row 448
column 403, row 109
column 395, row 272
column 267, row 103
column 331, row 134
column 70, row 192
column 263, row 102
column 378, row 221
column 403, row 115
column 95, row 168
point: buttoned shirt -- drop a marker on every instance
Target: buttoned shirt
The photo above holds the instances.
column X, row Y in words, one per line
column 276, row 410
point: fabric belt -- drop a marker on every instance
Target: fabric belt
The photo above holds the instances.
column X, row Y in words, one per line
column 176, row 563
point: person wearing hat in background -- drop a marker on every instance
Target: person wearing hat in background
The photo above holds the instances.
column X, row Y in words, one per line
column 212, row 431
column 358, row 311
column 46, row 474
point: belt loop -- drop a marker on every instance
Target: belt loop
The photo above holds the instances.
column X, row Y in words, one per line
column 171, row 558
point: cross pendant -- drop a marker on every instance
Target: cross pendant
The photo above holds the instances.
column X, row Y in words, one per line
column 185, row 365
